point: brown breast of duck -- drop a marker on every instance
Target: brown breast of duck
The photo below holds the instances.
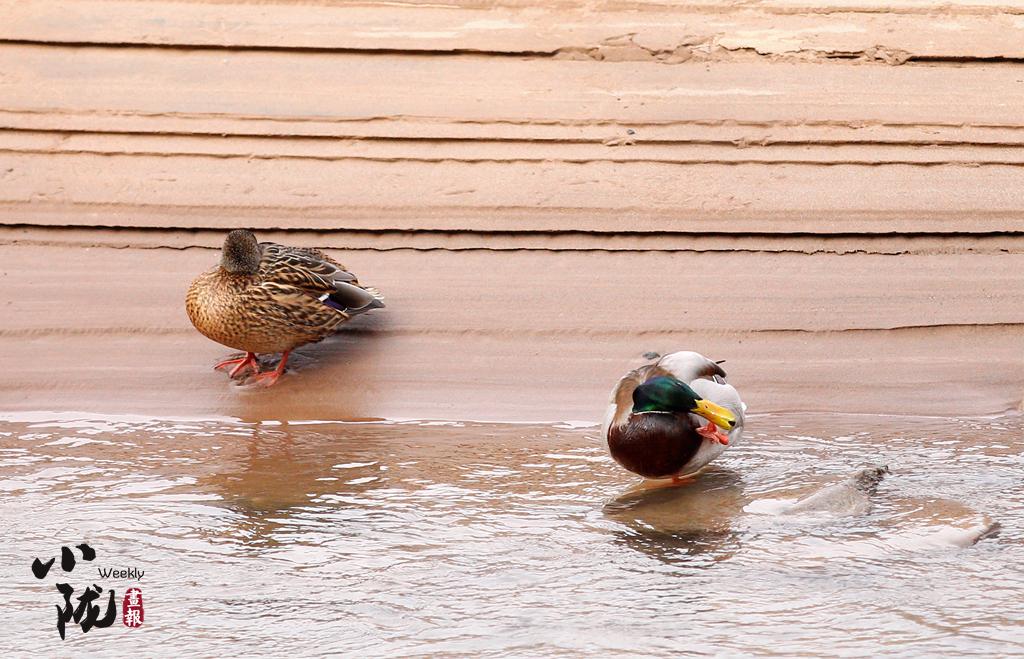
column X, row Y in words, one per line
column 231, row 310
column 654, row 444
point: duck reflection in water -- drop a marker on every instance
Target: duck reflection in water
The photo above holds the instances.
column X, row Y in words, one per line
column 675, row 524
column 274, row 487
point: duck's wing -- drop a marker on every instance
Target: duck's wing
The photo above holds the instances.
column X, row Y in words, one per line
column 689, row 366
column 314, row 273
column 621, row 402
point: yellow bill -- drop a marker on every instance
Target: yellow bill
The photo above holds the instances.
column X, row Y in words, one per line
column 716, row 414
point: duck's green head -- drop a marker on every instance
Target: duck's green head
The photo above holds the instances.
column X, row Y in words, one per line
column 241, row 254
column 667, row 394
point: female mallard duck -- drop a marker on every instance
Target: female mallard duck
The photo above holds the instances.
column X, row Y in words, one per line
column 653, row 424
column 265, row 297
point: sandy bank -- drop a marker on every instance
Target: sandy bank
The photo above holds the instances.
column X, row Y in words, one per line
column 528, row 335
column 826, row 196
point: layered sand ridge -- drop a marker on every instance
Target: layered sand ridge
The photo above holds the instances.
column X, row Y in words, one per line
column 826, row 196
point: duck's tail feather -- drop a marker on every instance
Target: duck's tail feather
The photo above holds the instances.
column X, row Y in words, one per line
column 352, row 300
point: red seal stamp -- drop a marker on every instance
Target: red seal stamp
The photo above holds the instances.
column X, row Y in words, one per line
column 132, row 612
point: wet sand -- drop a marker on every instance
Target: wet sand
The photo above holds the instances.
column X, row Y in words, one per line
column 528, row 335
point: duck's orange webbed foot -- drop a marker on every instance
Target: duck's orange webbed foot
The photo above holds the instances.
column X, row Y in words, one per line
column 241, row 364
column 712, row 433
column 269, row 378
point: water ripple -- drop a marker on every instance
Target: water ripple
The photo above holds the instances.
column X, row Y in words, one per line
column 470, row 538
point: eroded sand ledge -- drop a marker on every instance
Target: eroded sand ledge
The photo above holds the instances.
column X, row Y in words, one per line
column 836, row 212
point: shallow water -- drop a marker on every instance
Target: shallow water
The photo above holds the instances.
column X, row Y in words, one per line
column 485, row 539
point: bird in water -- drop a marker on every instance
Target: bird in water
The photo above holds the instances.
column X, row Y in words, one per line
column 671, row 418
column 269, row 298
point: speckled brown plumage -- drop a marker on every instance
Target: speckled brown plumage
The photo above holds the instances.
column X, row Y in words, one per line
column 268, row 298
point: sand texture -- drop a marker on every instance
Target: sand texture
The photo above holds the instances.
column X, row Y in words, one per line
column 828, row 196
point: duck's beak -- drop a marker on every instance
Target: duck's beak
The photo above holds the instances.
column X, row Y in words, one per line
column 716, row 414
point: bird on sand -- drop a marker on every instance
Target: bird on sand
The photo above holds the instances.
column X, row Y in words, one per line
column 669, row 419
column 269, row 298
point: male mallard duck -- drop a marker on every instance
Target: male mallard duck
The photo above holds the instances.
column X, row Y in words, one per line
column 653, row 424
column 265, row 297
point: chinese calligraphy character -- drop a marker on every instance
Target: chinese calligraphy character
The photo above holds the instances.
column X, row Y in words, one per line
column 67, row 560
column 86, row 613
